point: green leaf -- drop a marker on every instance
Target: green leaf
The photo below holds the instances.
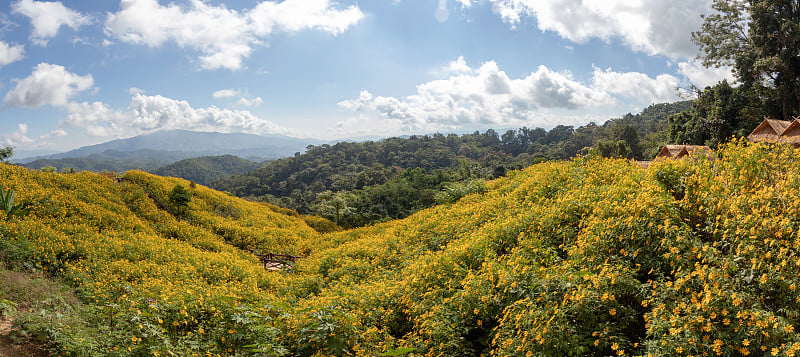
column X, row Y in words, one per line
column 399, row 351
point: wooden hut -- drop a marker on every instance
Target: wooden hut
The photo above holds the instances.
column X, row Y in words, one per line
column 791, row 135
column 669, row 151
column 769, row 130
column 678, row 151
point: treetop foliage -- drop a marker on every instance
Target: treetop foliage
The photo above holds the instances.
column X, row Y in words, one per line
column 6, row 153
column 760, row 39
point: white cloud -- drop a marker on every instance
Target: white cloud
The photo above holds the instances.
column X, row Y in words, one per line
column 297, row 15
column 654, row 26
column 134, row 90
column 249, row 102
column 702, row 77
column 10, row 53
column 663, row 88
column 152, row 113
column 49, row 84
column 486, row 95
column 20, row 136
column 457, row 66
column 84, row 114
column 48, row 17
column 57, row 133
column 224, row 37
column 243, row 100
column 225, row 93
column 364, row 99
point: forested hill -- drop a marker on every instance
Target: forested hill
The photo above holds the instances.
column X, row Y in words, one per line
column 358, row 183
column 206, row 169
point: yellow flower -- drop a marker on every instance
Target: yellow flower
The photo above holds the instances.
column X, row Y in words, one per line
column 612, row 312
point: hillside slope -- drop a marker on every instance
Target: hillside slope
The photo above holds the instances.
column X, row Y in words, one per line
column 588, row 257
column 583, row 257
column 153, row 282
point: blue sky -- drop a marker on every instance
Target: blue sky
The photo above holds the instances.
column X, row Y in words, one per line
column 75, row 73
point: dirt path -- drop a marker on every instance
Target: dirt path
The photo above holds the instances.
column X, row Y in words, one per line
column 10, row 349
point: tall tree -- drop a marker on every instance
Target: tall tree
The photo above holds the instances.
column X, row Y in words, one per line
column 760, row 39
column 718, row 113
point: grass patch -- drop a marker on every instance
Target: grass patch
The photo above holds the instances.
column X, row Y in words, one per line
column 41, row 316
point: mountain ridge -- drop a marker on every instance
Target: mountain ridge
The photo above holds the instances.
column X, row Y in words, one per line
column 199, row 143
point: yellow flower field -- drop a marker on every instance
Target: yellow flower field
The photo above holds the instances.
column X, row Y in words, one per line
column 589, row 256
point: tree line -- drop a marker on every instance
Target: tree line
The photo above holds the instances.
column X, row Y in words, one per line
column 359, row 183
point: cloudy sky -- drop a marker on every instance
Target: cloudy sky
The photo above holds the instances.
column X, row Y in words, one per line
column 80, row 72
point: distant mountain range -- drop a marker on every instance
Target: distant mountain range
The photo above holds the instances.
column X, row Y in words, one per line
column 151, row 151
column 196, row 144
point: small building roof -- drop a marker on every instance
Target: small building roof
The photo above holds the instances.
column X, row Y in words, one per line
column 769, row 130
column 792, row 133
column 670, row 151
column 678, row 151
column 688, row 149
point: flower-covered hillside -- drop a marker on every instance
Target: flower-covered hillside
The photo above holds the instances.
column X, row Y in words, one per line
column 586, row 257
column 157, row 278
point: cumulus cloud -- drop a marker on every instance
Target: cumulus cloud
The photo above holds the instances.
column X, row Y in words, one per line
column 49, row 84
column 486, row 95
column 17, row 137
column 457, row 66
column 702, row 76
column 224, row 37
column 48, row 17
column 10, row 53
column 663, row 88
column 655, row 27
column 152, row 113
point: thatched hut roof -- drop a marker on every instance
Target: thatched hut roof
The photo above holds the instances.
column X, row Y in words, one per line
column 670, row 151
column 688, row 149
column 791, row 134
column 769, row 130
column 678, row 151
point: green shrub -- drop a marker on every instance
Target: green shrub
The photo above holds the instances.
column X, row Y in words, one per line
column 8, row 206
column 454, row 191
